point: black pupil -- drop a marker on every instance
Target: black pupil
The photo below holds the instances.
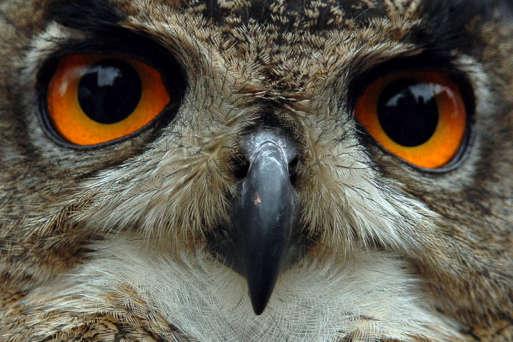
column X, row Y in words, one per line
column 408, row 111
column 109, row 91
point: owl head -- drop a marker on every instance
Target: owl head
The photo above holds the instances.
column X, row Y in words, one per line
column 266, row 137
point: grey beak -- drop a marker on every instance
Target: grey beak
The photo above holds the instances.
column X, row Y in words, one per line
column 264, row 215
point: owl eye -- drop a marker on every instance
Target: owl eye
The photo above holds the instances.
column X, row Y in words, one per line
column 417, row 116
column 94, row 99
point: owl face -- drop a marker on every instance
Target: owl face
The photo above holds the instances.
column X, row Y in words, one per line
column 314, row 170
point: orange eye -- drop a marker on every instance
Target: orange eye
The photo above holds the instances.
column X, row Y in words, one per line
column 94, row 99
column 419, row 117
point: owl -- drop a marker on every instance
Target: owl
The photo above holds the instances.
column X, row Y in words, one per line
column 256, row 170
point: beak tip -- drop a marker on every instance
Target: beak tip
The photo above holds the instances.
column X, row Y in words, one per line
column 258, row 309
column 259, row 301
column 260, row 289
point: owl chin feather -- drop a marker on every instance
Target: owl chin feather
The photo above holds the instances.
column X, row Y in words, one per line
column 370, row 295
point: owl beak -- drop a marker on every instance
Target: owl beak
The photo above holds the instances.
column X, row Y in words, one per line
column 264, row 216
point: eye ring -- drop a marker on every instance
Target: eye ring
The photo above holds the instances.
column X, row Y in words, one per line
column 419, row 116
column 167, row 82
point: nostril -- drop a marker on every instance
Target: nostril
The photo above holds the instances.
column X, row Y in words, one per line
column 267, row 149
column 240, row 167
column 293, row 164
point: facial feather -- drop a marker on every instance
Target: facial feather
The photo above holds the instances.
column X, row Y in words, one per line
column 90, row 233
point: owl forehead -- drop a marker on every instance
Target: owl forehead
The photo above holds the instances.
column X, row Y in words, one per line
column 288, row 38
column 313, row 16
column 306, row 15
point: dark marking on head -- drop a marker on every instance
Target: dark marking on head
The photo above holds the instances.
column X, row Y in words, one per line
column 444, row 25
column 506, row 9
column 293, row 15
column 86, row 15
